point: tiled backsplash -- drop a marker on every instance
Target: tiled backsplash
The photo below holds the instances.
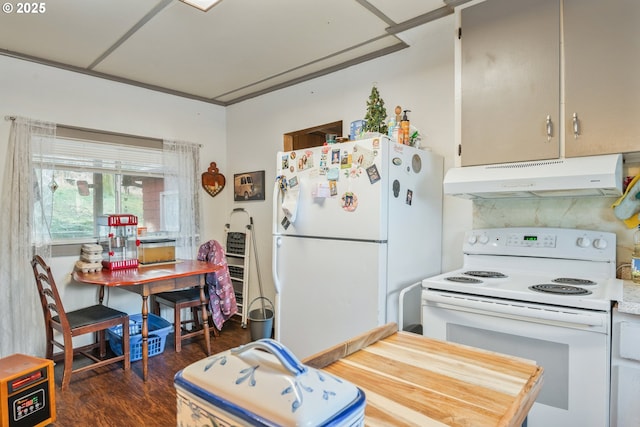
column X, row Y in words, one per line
column 590, row 213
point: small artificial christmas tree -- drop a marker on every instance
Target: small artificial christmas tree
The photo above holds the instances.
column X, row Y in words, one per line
column 376, row 113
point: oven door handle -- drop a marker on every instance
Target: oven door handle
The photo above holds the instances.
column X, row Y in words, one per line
column 516, row 311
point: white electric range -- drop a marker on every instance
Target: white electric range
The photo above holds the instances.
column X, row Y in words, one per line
column 543, row 294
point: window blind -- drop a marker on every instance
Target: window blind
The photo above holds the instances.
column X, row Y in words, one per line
column 103, row 157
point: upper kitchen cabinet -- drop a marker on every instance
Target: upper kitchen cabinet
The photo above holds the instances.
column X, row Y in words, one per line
column 509, row 81
column 510, row 78
column 602, row 76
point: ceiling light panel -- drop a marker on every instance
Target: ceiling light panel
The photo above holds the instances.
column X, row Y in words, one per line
column 203, row 5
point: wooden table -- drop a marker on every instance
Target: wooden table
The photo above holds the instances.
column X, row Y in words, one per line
column 412, row 380
column 149, row 280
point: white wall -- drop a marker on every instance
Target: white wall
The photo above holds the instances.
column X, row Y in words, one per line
column 49, row 94
column 419, row 78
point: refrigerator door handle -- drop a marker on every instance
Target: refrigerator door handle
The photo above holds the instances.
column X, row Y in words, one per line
column 276, row 205
column 277, row 241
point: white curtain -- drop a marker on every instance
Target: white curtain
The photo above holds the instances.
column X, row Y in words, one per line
column 24, row 225
column 182, row 181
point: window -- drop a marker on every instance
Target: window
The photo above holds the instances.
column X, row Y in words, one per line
column 82, row 196
column 93, row 174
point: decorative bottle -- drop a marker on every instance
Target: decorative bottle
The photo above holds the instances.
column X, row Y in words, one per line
column 405, row 127
column 635, row 257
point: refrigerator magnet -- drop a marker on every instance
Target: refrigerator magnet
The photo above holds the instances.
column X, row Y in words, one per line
column 305, row 161
column 409, row 197
column 285, row 223
column 363, row 156
column 285, row 162
column 293, row 181
column 282, row 183
column 345, row 161
column 333, row 188
column 353, row 173
column 349, row 201
column 416, row 163
column 372, row 173
column 309, row 155
column 322, row 190
column 396, row 188
column 323, row 164
column 333, row 174
column 335, row 157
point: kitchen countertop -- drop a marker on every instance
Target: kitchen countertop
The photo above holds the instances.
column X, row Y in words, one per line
column 630, row 302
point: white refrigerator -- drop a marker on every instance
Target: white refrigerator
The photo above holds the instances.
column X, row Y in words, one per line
column 354, row 224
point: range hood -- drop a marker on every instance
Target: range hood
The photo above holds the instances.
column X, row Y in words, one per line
column 570, row 177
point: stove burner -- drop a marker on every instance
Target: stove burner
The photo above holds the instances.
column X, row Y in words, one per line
column 559, row 289
column 462, row 279
column 572, row 281
column 487, row 274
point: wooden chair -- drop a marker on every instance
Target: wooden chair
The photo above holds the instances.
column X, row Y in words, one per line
column 179, row 300
column 95, row 319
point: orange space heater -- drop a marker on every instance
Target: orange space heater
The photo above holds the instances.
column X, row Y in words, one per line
column 27, row 389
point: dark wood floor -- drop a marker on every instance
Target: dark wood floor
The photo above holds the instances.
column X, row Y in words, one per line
column 111, row 397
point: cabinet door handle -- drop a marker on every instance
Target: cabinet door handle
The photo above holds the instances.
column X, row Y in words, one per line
column 549, row 128
column 576, row 126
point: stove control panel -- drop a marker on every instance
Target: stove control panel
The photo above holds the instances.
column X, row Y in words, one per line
column 544, row 242
column 514, row 239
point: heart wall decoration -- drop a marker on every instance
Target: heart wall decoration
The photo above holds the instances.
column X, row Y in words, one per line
column 212, row 181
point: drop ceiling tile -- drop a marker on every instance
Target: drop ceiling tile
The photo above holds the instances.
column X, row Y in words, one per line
column 316, row 68
column 239, row 42
column 71, row 31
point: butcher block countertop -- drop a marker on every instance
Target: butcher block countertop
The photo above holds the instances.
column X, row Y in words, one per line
column 409, row 379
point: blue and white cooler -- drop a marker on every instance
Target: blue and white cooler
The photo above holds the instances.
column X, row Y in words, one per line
column 263, row 384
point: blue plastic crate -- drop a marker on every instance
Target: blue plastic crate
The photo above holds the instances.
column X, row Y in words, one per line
column 159, row 328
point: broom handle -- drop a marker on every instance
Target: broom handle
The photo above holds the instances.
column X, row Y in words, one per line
column 255, row 253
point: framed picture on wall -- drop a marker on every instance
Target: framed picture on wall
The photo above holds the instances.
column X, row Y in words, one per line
column 248, row 186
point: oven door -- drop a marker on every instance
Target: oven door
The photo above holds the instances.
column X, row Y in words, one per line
column 571, row 345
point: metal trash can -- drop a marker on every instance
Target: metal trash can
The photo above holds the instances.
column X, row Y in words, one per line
column 261, row 319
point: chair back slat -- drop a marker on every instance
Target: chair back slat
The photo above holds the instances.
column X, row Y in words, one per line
column 51, row 300
column 53, row 308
